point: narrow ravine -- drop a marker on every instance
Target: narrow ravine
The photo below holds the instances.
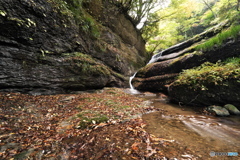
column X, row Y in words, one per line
column 110, row 124
column 192, row 130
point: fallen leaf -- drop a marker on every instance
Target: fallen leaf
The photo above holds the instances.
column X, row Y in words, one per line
column 135, row 146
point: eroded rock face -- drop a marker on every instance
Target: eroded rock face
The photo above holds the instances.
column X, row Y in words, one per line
column 227, row 92
column 161, row 74
column 44, row 49
column 165, row 72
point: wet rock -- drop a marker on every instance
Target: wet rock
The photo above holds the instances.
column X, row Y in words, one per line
column 169, row 63
column 218, row 110
column 44, row 50
column 219, row 94
column 160, row 75
column 154, row 83
column 232, row 109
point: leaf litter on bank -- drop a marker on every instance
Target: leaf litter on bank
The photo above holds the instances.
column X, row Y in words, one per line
column 99, row 125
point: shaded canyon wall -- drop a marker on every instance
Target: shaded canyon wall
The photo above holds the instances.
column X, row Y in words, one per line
column 46, row 48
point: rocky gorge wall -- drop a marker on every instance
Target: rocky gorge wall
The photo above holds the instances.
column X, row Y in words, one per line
column 46, row 47
column 162, row 74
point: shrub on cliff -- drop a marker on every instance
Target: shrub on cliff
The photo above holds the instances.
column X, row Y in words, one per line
column 210, row 73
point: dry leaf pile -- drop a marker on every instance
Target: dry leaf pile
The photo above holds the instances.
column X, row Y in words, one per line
column 103, row 125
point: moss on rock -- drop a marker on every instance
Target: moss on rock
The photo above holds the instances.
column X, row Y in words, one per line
column 210, row 73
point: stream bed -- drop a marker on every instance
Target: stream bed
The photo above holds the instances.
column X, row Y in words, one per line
column 74, row 126
column 192, row 130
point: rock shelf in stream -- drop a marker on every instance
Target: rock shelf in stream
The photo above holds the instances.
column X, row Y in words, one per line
column 226, row 110
column 161, row 74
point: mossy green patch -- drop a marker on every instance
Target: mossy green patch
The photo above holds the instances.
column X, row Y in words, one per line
column 86, row 64
column 110, row 105
column 145, row 69
column 209, row 73
column 87, row 121
column 219, row 39
column 74, row 10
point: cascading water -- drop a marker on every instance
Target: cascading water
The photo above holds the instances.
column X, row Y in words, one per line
column 132, row 90
column 130, row 80
column 152, row 60
column 155, row 57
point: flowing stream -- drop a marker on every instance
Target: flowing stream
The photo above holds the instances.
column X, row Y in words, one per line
column 192, row 130
column 199, row 133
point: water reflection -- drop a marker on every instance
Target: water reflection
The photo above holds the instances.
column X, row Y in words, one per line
column 201, row 133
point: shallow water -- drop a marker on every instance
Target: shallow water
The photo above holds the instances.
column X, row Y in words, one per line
column 193, row 130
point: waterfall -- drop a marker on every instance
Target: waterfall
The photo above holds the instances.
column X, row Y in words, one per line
column 155, row 57
column 152, row 60
column 130, row 80
column 132, row 90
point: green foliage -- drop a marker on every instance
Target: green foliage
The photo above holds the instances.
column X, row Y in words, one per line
column 175, row 23
column 74, row 9
column 233, row 61
column 139, row 10
column 90, row 25
column 83, row 19
column 207, row 18
column 183, row 19
column 227, row 9
column 150, row 29
column 218, row 40
column 209, row 73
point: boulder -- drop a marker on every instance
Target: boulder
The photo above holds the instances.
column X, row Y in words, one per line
column 232, row 109
column 218, row 110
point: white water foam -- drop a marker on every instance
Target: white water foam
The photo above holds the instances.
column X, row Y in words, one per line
column 132, row 90
column 155, row 57
column 152, row 60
